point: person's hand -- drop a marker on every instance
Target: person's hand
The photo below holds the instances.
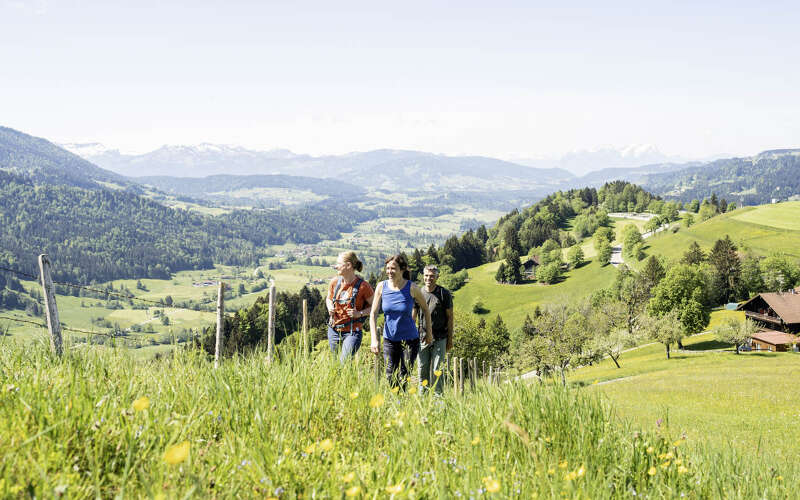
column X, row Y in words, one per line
column 351, row 313
column 374, row 347
column 428, row 338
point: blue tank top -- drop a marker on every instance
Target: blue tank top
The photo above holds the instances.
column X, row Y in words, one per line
column 397, row 306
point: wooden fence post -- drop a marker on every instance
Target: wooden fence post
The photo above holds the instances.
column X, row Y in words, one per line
column 454, row 374
column 461, row 375
column 220, row 322
column 53, row 324
column 305, row 327
column 271, row 324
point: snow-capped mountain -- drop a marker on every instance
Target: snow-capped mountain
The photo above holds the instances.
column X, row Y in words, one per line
column 581, row 162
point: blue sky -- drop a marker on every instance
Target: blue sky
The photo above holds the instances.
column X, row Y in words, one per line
column 510, row 79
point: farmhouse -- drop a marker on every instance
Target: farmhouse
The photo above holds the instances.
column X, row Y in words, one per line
column 778, row 311
column 530, row 266
column 770, row 340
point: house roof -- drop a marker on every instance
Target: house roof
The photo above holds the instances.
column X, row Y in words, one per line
column 776, row 338
column 785, row 304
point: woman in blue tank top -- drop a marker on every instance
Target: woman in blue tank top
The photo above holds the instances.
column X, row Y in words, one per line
column 396, row 296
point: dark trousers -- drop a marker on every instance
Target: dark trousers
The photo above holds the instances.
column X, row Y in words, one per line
column 396, row 369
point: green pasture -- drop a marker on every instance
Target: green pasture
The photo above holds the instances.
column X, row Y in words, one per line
column 99, row 423
column 514, row 302
column 779, row 215
column 757, row 229
column 717, row 399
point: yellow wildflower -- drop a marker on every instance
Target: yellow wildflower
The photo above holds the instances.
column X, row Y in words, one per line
column 665, row 464
column 142, row 403
column 326, row 445
column 492, row 468
column 651, row 471
column 376, row 401
column 394, row 490
column 678, row 442
column 547, row 439
column 581, row 472
column 779, row 478
column 412, row 390
column 682, row 470
column 425, row 383
column 492, row 485
column 287, row 451
column 387, row 424
column 562, row 465
column 351, row 492
column 551, row 471
column 395, row 389
column 678, row 461
column 595, row 381
column 476, row 440
column 348, row 477
column 438, row 373
column 176, row 454
column 650, row 450
column 310, row 449
column 353, row 395
column 669, row 456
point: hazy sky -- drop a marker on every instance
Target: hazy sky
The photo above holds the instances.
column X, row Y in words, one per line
column 495, row 78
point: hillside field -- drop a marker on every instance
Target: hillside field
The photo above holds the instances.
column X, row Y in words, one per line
column 700, row 393
column 99, row 423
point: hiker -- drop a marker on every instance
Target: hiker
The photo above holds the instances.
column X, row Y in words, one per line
column 432, row 355
column 396, row 296
column 349, row 300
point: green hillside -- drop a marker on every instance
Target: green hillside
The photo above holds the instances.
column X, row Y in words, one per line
column 763, row 229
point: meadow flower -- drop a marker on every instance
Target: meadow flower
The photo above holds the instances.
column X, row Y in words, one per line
column 376, row 401
column 581, row 472
column 412, row 390
column 492, row 485
column 142, row 403
column 348, row 477
column 562, row 465
column 665, row 464
column 310, row 448
column 351, row 492
column 425, row 383
column 678, row 442
column 326, row 445
column 476, row 440
column 551, row 471
column 438, row 373
column 395, row 389
column 650, row 450
column 394, row 490
column 177, row 453
column 651, row 471
column 353, row 395
column 682, row 470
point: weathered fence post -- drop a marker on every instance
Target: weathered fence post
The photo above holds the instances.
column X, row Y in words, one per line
column 271, row 324
column 53, row 324
column 305, row 327
column 220, row 322
column 461, row 375
column 483, row 371
column 454, row 374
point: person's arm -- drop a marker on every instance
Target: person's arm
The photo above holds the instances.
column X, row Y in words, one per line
column 373, row 317
column 416, row 293
column 329, row 304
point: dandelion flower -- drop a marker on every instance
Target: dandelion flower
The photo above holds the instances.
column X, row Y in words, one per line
column 551, row 471
column 438, row 373
column 669, row 456
column 492, row 468
column 376, row 401
column 177, row 453
column 779, row 478
column 678, row 442
column 476, row 440
column 326, row 445
column 581, row 472
column 650, row 450
column 395, row 389
column 547, row 439
column 665, row 464
column 425, row 383
column 682, row 470
column 562, row 465
column 492, row 485
column 651, row 471
column 310, row 448
column 353, row 395
column 412, row 390
column 142, row 403
column 394, row 490
column 348, row 477
column 351, row 492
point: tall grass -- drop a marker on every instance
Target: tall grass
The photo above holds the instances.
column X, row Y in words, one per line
column 306, row 428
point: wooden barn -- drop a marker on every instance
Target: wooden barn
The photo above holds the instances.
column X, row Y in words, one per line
column 770, row 340
column 779, row 311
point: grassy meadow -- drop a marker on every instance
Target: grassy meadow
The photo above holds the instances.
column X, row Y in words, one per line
column 99, row 423
column 701, row 393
